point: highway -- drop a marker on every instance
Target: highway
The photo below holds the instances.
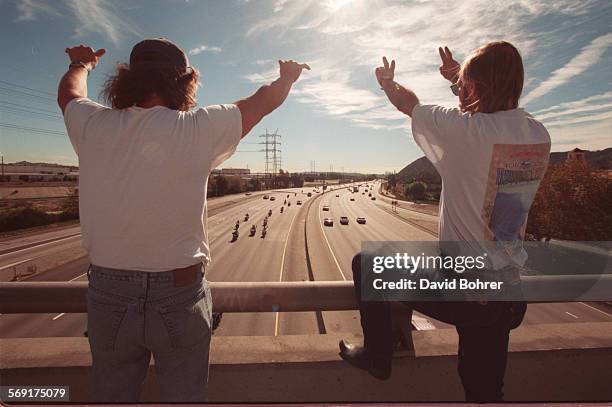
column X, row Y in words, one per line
column 297, row 247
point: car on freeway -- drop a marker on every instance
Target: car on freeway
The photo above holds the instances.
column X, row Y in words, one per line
column 352, row 199
column 373, row 198
column 299, row 202
column 337, row 196
column 361, row 220
column 370, row 194
column 273, row 198
column 328, row 222
column 266, row 196
column 248, row 194
column 309, row 194
column 344, row 220
column 326, row 207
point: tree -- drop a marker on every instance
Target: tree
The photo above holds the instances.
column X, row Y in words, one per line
column 572, row 203
column 416, row 190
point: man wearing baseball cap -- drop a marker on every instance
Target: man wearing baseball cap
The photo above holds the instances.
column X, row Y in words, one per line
column 144, row 166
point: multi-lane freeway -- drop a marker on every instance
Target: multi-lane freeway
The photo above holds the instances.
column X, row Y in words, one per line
column 297, row 247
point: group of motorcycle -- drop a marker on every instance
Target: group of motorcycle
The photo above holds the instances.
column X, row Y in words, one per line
column 253, row 229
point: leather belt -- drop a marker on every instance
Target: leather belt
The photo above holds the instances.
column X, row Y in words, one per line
column 186, row 275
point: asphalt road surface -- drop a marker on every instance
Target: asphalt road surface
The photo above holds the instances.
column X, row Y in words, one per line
column 297, row 247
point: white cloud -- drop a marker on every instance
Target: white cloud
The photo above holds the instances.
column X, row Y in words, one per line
column 279, row 5
column 204, row 48
column 100, row 16
column 586, row 58
column 344, row 41
column 29, row 9
column 576, row 104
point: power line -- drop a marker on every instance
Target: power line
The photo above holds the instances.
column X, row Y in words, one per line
column 27, row 94
column 33, row 129
column 27, row 107
column 25, row 87
column 16, row 109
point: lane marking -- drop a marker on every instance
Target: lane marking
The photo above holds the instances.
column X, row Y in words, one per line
column 280, row 277
column 596, row 309
column 77, row 277
column 58, row 316
column 572, row 315
column 328, row 245
column 36, row 246
column 17, row 263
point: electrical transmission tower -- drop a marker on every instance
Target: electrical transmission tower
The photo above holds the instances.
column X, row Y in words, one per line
column 273, row 158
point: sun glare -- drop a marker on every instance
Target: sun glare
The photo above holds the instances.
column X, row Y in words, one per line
column 334, row 5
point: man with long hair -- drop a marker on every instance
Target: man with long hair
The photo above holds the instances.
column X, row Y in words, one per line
column 491, row 156
column 144, row 166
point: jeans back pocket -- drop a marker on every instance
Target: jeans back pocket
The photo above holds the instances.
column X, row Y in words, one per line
column 104, row 317
column 187, row 319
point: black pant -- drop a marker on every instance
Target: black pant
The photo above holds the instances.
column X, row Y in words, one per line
column 483, row 336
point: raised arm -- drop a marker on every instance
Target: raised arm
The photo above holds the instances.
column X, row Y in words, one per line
column 403, row 99
column 269, row 97
column 73, row 84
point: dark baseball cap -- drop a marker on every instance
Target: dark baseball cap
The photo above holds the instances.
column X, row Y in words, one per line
column 160, row 52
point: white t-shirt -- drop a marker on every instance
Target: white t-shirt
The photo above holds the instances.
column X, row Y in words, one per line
column 491, row 165
column 143, row 180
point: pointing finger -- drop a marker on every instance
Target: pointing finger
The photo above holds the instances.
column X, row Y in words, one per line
column 100, row 52
column 393, row 66
column 385, row 62
column 305, row 66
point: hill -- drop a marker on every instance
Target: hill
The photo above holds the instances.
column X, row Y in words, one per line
column 423, row 169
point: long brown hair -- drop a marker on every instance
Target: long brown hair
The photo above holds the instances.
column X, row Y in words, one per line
column 491, row 79
column 128, row 87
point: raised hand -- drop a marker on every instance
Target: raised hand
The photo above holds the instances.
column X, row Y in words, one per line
column 449, row 68
column 291, row 70
column 385, row 72
column 85, row 54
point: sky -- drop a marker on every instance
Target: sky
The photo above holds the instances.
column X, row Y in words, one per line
column 336, row 115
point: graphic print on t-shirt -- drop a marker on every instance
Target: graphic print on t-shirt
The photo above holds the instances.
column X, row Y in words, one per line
column 514, row 176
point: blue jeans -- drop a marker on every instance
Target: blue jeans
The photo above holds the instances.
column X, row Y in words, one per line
column 133, row 314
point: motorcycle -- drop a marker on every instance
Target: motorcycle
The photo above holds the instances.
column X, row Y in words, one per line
column 282, row 207
column 237, row 225
column 235, row 235
column 265, row 222
column 288, row 203
column 263, row 232
column 270, row 212
column 246, row 217
column 253, row 230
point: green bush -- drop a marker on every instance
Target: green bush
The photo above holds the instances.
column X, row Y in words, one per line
column 416, row 190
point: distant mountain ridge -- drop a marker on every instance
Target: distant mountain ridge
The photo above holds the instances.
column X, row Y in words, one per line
column 423, row 169
column 43, row 164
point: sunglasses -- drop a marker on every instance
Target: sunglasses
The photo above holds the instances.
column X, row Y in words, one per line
column 455, row 89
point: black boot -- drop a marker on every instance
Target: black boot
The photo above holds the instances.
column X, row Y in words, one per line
column 359, row 357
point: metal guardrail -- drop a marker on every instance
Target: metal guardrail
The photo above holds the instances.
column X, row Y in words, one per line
column 70, row 297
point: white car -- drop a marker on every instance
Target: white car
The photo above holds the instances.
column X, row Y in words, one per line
column 361, row 220
column 328, row 222
column 325, row 207
column 273, row 198
column 344, row 220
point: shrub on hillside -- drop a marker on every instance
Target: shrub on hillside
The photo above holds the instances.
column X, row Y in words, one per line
column 572, row 203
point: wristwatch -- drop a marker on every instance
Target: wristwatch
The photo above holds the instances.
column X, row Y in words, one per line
column 81, row 64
